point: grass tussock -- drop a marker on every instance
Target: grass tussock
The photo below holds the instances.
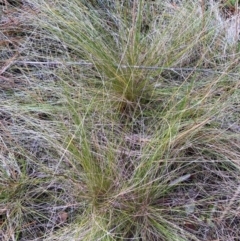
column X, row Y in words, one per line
column 119, row 120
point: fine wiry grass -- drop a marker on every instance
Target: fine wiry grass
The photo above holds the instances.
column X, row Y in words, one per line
column 119, row 120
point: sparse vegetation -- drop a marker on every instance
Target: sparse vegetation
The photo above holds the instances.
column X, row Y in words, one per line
column 119, row 120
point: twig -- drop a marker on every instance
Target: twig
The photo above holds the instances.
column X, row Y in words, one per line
column 175, row 69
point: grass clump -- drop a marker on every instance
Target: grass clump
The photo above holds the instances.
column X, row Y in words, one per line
column 123, row 40
column 134, row 137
